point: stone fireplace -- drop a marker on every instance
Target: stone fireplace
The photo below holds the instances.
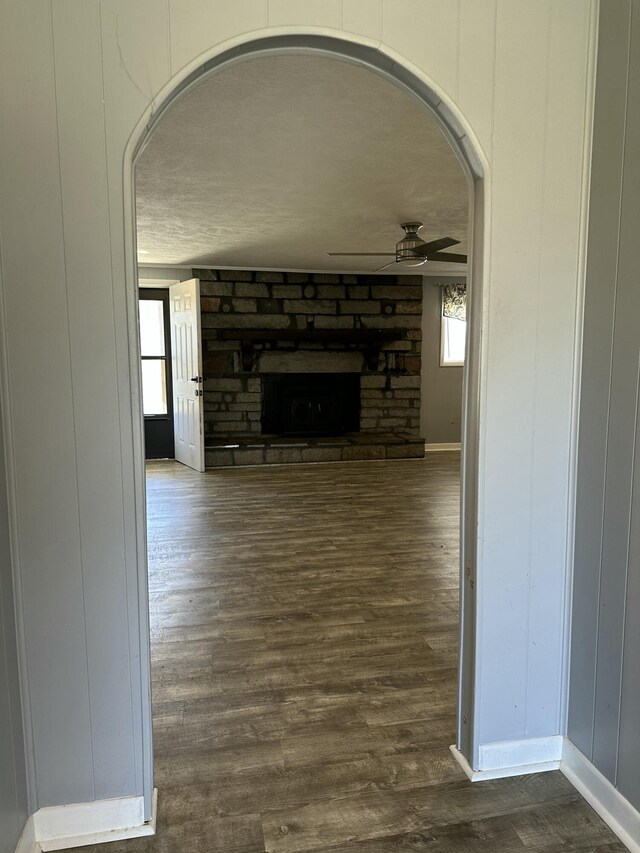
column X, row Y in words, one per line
column 310, row 367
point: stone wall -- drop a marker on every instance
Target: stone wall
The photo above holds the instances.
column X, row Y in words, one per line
column 326, row 305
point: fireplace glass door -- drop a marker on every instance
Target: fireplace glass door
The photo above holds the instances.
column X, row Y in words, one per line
column 310, row 404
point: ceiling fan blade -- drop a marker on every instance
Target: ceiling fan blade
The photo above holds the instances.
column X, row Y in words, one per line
column 358, row 254
column 436, row 245
column 447, row 256
column 384, row 266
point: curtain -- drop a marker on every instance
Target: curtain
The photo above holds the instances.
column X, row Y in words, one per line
column 454, row 301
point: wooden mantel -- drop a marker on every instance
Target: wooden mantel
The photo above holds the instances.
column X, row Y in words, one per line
column 369, row 339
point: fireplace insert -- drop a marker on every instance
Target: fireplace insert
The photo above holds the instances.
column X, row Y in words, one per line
column 310, row 404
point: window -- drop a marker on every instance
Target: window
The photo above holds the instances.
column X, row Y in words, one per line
column 453, row 325
column 154, row 360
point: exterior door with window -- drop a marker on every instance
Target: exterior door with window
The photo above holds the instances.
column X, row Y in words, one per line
column 186, row 347
column 155, row 351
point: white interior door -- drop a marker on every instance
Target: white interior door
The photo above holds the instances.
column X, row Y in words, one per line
column 186, row 360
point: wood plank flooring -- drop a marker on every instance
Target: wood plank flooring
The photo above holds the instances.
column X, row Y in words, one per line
column 304, row 642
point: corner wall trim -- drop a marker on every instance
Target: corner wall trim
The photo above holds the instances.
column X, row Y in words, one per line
column 513, row 758
column 614, row 809
column 435, row 448
column 27, row 841
column 80, row 824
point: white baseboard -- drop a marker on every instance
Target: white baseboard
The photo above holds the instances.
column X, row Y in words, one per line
column 535, row 755
column 434, row 448
column 513, row 758
column 27, row 841
column 616, row 811
column 81, row 824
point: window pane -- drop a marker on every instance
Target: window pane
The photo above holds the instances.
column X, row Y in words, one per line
column 151, row 327
column 154, row 387
column 454, row 335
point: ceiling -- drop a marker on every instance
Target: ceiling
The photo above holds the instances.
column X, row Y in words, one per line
column 280, row 159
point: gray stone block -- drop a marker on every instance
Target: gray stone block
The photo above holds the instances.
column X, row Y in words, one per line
column 358, row 291
column 404, row 382
column 310, row 306
column 286, row 291
column 405, row 307
column 245, row 321
column 357, row 306
column 215, row 288
column 326, row 322
column 217, row 457
column 205, row 275
column 245, row 306
column 249, row 456
column 250, row 289
column 223, row 384
column 269, row 306
column 414, row 450
column 209, row 303
column 373, row 380
column 270, row 277
column 230, row 427
column 331, row 291
column 363, row 452
column 245, row 407
column 396, row 291
column 326, row 278
column 232, row 416
column 283, row 455
column 321, row 454
column 235, row 275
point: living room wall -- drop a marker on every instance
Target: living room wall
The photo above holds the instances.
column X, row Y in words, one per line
column 82, row 79
column 604, row 699
column 441, row 397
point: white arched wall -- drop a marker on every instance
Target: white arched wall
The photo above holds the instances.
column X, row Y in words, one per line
column 473, row 163
column 77, row 78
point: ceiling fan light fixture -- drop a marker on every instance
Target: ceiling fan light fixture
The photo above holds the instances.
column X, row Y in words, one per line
column 406, row 248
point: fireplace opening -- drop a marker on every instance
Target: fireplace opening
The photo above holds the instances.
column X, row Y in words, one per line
column 310, row 404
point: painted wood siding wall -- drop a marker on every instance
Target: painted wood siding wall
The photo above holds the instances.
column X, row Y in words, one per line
column 13, row 782
column 77, row 76
column 441, row 393
column 605, row 661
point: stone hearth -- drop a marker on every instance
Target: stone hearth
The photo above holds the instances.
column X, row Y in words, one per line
column 276, row 450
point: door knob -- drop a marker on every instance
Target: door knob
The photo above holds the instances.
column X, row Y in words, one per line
column 196, row 378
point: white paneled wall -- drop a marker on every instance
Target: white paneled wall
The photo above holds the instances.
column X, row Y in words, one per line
column 77, row 76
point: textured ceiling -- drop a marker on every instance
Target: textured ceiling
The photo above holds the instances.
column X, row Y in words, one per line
column 280, row 159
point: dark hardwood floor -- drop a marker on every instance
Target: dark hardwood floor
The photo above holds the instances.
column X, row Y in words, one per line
column 304, row 642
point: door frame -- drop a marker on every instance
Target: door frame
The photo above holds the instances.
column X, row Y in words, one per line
column 468, row 151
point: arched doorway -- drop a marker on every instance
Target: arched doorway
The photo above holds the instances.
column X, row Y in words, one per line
column 460, row 142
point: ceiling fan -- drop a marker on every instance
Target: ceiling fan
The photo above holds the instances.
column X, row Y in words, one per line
column 412, row 250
